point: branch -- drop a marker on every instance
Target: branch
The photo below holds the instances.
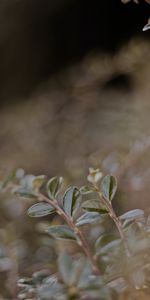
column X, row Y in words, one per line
column 82, row 242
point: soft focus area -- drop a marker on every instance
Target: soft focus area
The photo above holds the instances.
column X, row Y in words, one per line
column 74, row 93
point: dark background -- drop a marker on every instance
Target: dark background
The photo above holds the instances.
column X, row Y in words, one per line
column 38, row 38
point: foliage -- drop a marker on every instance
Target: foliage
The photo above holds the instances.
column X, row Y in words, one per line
column 103, row 261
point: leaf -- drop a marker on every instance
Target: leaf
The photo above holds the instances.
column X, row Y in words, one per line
column 78, row 270
column 25, row 192
column 26, row 187
column 71, row 200
column 106, row 242
column 140, row 222
column 61, row 232
column 40, row 276
column 65, row 263
column 53, row 186
column 51, row 291
column 109, row 187
column 38, row 182
column 40, row 210
column 25, row 282
column 138, row 278
column 94, row 206
column 91, row 284
column 132, row 214
column 86, row 190
column 89, row 218
column 147, row 26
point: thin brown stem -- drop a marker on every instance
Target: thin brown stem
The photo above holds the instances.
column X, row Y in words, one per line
column 114, row 217
column 82, row 242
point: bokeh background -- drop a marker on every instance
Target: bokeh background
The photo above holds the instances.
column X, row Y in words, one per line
column 74, row 93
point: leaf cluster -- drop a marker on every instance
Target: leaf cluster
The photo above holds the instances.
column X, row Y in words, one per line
column 105, row 266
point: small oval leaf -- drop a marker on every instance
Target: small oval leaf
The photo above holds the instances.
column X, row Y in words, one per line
column 109, row 187
column 61, row 232
column 86, row 190
column 26, row 193
column 94, row 206
column 89, row 218
column 65, row 266
column 132, row 214
column 106, row 242
column 71, row 200
column 40, row 210
column 53, row 186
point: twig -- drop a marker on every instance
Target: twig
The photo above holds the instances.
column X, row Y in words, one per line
column 82, row 242
column 114, row 217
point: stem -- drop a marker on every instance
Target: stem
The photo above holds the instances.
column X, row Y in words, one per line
column 82, row 242
column 114, row 217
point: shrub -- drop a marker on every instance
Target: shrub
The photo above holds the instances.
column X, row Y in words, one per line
column 95, row 259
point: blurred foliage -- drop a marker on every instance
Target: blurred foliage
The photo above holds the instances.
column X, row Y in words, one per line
column 93, row 258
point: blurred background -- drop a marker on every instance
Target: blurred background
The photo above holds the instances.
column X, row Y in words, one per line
column 74, row 93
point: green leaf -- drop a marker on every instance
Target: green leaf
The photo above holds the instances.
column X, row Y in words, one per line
column 93, row 288
column 109, row 187
column 94, row 206
column 40, row 276
column 61, row 232
column 81, row 272
column 138, row 278
column 65, row 264
column 51, row 291
column 53, row 186
column 86, row 190
column 89, row 218
column 71, row 200
column 137, row 216
column 25, row 282
column 26, row 193
column 40, row 210
column 38, row 182
column 132, row 214
column 106, row 242
column 26, row 187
